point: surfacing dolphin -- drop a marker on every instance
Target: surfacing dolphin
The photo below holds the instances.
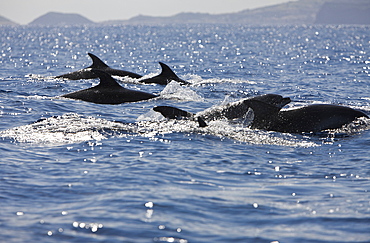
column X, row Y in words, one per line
column 176, row 113
column 307, row 119
column 86, row 73
column 231, row 111
column 267, row 115
column 239, row 109
column 165, row 77
column 108, row 91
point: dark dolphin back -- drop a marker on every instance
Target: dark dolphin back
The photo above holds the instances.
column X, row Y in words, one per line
column 172, row 112
column 165, row 77
column 273, row 99
column 312, row 118
column 106, row 79
column 316, row 118
column 86, row 73
column 80, row 74
column 265, row 115
column 108, row 91
column 176, row 113
column 99, row 64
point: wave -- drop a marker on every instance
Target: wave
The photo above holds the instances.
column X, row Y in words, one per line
column 75, row 128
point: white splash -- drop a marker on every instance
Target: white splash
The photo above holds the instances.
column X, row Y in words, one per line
column 68, row 128
column 174, row 90
column 74, row 128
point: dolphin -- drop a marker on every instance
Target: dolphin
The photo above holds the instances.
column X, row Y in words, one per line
column 307, row 119
column 231, row 111
column 108, row 91
column 239, row 109
column 86, row 73
column 267, row 115
column 175, row 113
column 165, row 77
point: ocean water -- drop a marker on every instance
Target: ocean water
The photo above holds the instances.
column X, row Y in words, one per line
column 73, row 171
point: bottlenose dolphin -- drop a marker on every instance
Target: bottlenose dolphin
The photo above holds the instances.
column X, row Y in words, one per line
column 165, row 77
column 86, row 73
column 108, row 91
column 311, row 118
column 231, row 111
column 267, row 115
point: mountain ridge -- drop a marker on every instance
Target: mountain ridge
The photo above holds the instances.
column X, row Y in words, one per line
column 6, row 21
column 293, row 12
column 290, row 13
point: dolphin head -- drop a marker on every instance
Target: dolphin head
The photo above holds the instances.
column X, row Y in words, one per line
column 273, row 99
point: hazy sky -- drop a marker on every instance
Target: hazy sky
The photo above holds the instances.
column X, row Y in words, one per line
column 25, row 11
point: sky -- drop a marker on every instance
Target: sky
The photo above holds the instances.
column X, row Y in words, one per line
column 25, row 11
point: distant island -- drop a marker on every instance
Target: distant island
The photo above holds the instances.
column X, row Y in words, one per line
column 53, row 18
column 291, row 13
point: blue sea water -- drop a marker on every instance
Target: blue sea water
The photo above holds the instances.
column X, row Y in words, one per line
column 73, row 171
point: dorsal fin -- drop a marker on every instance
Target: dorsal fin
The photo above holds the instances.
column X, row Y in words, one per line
column 97, row 63
column 167, row 72
column 105, row 79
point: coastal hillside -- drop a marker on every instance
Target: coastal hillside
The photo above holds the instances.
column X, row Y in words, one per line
column 5, row 21
column 297, row 12
column 294, row 12
column 344, row 12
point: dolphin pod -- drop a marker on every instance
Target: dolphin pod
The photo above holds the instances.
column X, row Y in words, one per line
column 267, row 115
column 165, row 77
column 108, row 91
column 266, row 109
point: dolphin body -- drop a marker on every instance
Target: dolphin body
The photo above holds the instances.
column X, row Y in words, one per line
column 108, row 91
column 231, row 111
column 239, row 109
column 267, row 115
column 98, row 64
column 165, row 77
column 307, row 119
column 176, row 113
